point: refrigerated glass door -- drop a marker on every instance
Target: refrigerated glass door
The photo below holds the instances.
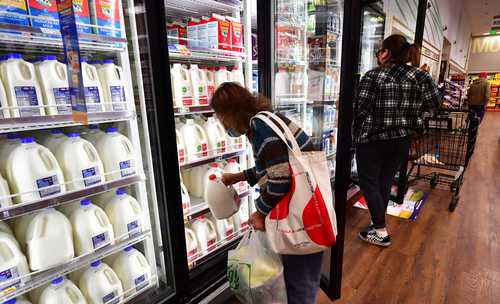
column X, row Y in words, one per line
column 372, row 35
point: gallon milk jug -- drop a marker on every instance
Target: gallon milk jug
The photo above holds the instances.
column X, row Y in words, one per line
column 21, row 225
column 222, row 200
column 195, row 140
column 214, row 169
column 186, row 200
column 237, row 75
column 54, row 140
column 93, row 134
column 198, row 85
column 6, row 147
column 196, row 184
column 225, row 228
column 33, row 170
column 61, row 291
column 132, row 269
column 21, row 87
column 68, row 208
column 100, row 284
column 91, row 228
column 210, row 72
column 221, row 76
column 13, row 263
column 282, row 83
column 232, row 166
column 80, row 162
column 53, row 78
column 205, row 233
column 125, row 214
column 181, row 148
column 181, row 85
column 216, row 136
column 191, row 244
column 5, row 199
column 4, row 227
column 48, row 230
column 92, row 88
column 4, row 103
column 117, row 155
column 113, row 86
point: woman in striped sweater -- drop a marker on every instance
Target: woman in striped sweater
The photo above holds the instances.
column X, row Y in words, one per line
column 235, row 106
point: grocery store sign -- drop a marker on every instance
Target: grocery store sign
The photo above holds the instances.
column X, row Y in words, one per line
column 485, row 54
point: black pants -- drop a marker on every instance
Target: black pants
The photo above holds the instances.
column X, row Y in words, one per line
column 377, row 164
column 478, row 110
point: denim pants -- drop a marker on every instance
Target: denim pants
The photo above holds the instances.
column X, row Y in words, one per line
column 378, row 163
column 302, row 277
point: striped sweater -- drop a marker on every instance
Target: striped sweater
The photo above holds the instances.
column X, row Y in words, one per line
column 272, row 170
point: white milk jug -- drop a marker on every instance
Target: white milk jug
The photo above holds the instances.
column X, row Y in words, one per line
column 80, row 162
column 213, row 169
column 221, row 76
column 125, row 214
column 236, row 143
column 61, row 291
column 33, row 170
column 117, row 155
column 196, row 184
column 92, row 89
column 191, row 244
column 93, row 134
column 4, row 103
column 68, row 208
column 6, row 147
column 205, row 233
column 54, row 140
column 241, row 217
column 48, row 230
column 21, row 225
column 113, row 86
column 282, row 82
column 222, row 200
column 4, row 227
column 100, row 284
column 198, row 85
column 195, row 140
column 181, row 85
column 91, row 228
column 21, row 87
column 181, row 148
column 5, row 199
column 225, row 228
column 210, row 72
column 232, row 166
column 132, row 269
column 216, row 136
column 186, row 200
column 237, row 76
column 53, row 78
column 13, row 263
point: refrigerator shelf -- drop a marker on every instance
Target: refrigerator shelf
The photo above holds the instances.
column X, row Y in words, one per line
column 200, row 207
column 192, row 110
column 188, row 8
column 38, row 279
column 210, row 159
column 60, row 199
column 204, row 56
column 18, row 124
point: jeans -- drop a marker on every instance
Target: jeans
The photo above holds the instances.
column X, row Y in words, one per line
column 302, row 277
column 478, row 110
column 378, row 163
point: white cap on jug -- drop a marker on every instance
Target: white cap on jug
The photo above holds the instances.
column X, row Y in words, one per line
column 95, row 264
column 121, row 191
column 112, row 130
column 85, row 202
column 57, row 281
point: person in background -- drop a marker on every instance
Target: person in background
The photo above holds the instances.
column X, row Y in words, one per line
column 478, row 95
column 387, row 112
column 235, row 106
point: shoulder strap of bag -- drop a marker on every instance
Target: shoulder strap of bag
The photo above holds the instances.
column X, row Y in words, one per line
column 286, row 137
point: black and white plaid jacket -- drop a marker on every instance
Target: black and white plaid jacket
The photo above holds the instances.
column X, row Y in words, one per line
column 391, row 101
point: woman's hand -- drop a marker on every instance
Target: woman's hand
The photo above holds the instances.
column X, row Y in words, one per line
column 257, row 221
column 232, row 178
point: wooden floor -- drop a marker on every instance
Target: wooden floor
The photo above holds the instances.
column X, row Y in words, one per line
column 442, row 257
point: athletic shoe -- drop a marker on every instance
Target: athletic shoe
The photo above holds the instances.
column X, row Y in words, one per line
column 373, row 238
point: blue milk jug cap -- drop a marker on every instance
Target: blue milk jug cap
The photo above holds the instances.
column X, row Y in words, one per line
column 95, row 62
column 13, row 136
column 111, row 130
column 120, row 191
column 85, row 202
column 14, row 56
column 56, row 131
column 83, row 59
column 11, row 301
column 57, row 281
column 27, row 140
column 108, row 61
column 128, row 248
column 2, row 58
column 48, row 57
column 73, row 134
column 95, row 263
column 93, row 127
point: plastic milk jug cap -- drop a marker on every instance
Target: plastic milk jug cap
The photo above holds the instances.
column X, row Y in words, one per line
column 108, row 61
column 74, row 134
column 127, row 249
column 48, row 57
column 57, row 281
column 93, row 127
column 214, row 165
column 13, row 136
column 56, row 131
column 120, row 191
column 111, row 130
column 212, row 177
column 85, row 202
column 95, row 264
column 83, row 59
column 14, row 56
column 11, row 301
column 27, row 140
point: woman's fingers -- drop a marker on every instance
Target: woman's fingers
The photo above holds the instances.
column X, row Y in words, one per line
column 257, row 221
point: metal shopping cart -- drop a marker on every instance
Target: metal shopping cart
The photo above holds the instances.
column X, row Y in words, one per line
column 442, row 153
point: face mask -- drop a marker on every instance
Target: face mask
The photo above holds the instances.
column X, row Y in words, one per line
column 233, row 133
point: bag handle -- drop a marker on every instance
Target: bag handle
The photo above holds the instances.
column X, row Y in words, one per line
column 286, row 137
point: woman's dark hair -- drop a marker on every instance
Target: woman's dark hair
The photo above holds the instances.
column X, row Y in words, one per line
column 237, row 105
column 401, row 50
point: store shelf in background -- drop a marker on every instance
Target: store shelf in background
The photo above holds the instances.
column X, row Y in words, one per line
column 205, row 56
column 291, row 62
column 46, row 276
column 57, row 121
column 210, row 159
column 53, row 201
column 188, row 8
column 200, row 207
column 192, row 110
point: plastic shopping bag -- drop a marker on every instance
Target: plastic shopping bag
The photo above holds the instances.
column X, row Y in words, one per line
column 255, row 273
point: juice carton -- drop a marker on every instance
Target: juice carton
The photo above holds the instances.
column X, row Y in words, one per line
column 14, row 6
column 106, row 13
column 219, row 33
column 192, row 33
column 82, row 15
column 177, row 33
column 236, row 34
column 46, row 9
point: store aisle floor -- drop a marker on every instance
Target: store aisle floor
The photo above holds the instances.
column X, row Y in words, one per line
column 442, row 257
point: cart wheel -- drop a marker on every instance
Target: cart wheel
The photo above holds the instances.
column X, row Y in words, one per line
column 453, row 203
column 434, row 182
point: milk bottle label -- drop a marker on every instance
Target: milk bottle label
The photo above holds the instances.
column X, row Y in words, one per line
column 92, row 99
column 26, row 97
column 202, row 149
column 91, row 176
column 133, row 228
column 111, row 298
column 100, row 240
column 182, row 155
column 187, row 99
column 63, row 98
column 117, row 97
column 141, row 282
column 210, row 243
column 127, row 168
column 48, row 186
column 221, row 146
column 229, row 233
column 7, row 275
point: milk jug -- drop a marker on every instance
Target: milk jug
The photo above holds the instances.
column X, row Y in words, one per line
column 33, row 170
column 186, row 200
column 92, row 89
column 191, row 244
column 181, row 148
column 17, row 301
column 181, row 85
column 195, row 140
column 21, row 225
column 53, row 78
column 93, row 134
column 5, row 199
column 125, row 214
column 4, row 103
column 225, row 228
column 214, row 169
column 205, row 233
column 232, row 166
column 237, row 76
column 4, row 227
column 68, row 208
column 196, row 178
column 117, row 155
column 236, row 143
column 21, row 87
column 6, row 147
column 222, row 200
column 47, row 230
column 216, row 136
column 13, row 264
column 54, row 140
column 113, row 86
column 241, row 217
column 132, row 269
column 100, row 284
column 210, row 72
column 221, row 76
column 61, row 291
column 91, row 228
column 198, row 85
column 282, row 82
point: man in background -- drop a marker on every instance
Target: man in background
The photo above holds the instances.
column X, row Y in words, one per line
column 479, row 94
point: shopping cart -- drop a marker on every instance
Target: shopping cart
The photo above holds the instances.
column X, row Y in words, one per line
column 441, row 154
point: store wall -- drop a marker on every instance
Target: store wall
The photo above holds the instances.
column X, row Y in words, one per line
column 485, row 54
